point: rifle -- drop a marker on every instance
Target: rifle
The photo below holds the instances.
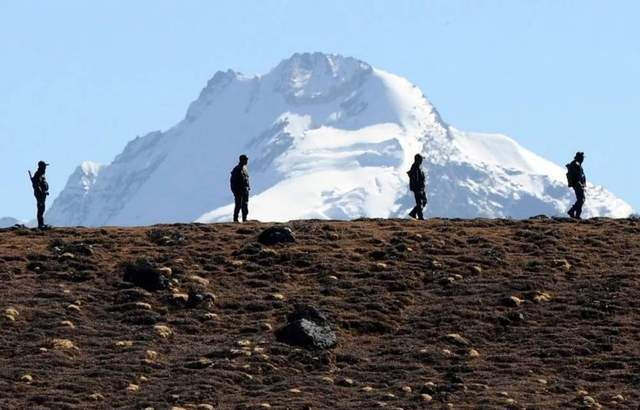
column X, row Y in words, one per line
column 30, row 176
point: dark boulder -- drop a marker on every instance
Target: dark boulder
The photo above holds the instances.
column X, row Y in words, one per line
column 275, row 235
column 308, row 328
column 144, row 274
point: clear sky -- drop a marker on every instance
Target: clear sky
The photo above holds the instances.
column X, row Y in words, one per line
column 79, row 79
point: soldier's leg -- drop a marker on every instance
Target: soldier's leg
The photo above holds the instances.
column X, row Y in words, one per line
column 245, row 206
column 40, row 213
column 238, row 204
column 419, row 205
column 579, row 202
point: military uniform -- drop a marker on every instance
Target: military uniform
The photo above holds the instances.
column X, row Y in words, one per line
column 417, row 185
column 577, row 181
column 40, row 191
column 240, row 189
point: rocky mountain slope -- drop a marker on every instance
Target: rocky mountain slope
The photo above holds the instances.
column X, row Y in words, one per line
column 328, row 137
column 475, row 314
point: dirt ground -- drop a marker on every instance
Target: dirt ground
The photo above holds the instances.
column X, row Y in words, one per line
column 456, row 314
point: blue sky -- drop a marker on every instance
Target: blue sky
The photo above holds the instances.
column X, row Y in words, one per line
column 79, row 79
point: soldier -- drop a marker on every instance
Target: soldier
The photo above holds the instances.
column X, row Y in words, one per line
column 577, row 181
column 40, row 191
column 417, row 186
column 240, row 188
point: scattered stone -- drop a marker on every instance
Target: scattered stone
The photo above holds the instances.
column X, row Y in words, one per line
column 179, row 298
column 308, row 328
column 63, row 344
column 426, row 397
column 541, row 297
column 266, row 326
column 27, row 378
column 542, row 381
column 367, row 389
column 618, row 398
column 163, row 331
column 295, row 391
column 264, row 405
column 133, row 388
column 210, row 316
column 67, row 255
column 346, row 382
column 205, row 407
column 407, row 389
column 327, row 379
column 474, row 354
column 144, row 274
column 96, row 397
column 277, row 296
column 124, row 344
column 11, row 314
column 275, row 235
column 512, row 301
column 458, row 340
column 591, row 403
column 199, row 280
column 476, row 269
column 73, row 308
column 67, row 323
column 582, row 392
column 151, row 356
column 201, row 363
column 563, row 264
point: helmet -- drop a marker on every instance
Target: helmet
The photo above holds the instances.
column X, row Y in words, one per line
column 42, row 164
column 579, row 155
column 244, row 158
column 418, row 157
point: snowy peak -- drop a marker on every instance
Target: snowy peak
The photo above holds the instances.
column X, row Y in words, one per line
column 328, row 137
column 318, row 77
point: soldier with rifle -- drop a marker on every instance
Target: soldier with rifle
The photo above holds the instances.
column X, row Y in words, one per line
column 40, row 191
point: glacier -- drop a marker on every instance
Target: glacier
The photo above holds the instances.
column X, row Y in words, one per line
column 328, row 137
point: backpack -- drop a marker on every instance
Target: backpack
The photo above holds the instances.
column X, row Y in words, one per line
column 571, row 175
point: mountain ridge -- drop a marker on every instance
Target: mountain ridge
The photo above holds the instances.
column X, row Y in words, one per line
column 331, row 134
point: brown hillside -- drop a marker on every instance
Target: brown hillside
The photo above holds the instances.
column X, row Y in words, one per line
column 472, row 314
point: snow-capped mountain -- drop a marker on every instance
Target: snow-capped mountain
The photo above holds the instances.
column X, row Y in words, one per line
column 327, row 137
column 7, row 221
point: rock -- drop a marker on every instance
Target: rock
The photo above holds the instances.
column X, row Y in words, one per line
column 346, row 382
column 199, row 280
column 63, row 344
column 308, row 328
column 144, row 274
column 210, row 316
column 132, row 388
column 266, row 326
column 426, row 397
column 295, row 391
column 73, row 308
column 512, row 301
column 591, row 403
column 458, row 340
column 541, row 297
column 563, row 264
column 618, row 398
column 205, row 407
column 277, row 296
column 27, row 378
column 264, row 405
column 96, row 397
column 201, row 363
column 151, row 356
column 367, row 389
column 67, row 255
column 67, row 323
column 474, row 354
column 542, row 381
column 11, row 314
column 407, row 389
column 275, row 235
column 124, row 344
column 163, row 331
column 476, row 269
column 179, row 298
column 327, row 379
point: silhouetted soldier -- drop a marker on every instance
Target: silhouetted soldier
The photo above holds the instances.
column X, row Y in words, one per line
column 240, row 188
column 417, row 186
column 40, row 191
column 577, row 181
